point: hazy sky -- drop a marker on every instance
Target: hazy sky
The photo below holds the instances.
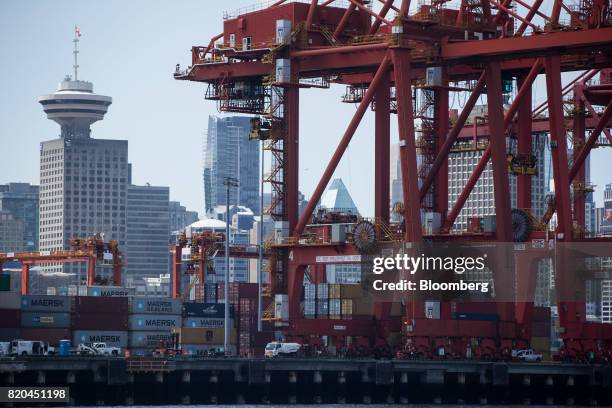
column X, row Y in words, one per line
column 128, row 49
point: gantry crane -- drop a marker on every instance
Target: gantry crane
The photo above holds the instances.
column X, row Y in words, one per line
column 89, row 250
column 262, row 59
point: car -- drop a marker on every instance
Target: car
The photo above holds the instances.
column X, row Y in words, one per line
column 528, row 355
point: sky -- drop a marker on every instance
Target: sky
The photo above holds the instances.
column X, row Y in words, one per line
column 129, row 49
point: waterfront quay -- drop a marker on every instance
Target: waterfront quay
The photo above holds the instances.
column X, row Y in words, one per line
column 142, row 381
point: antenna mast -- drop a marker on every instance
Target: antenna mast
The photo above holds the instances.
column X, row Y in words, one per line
column 77, row 34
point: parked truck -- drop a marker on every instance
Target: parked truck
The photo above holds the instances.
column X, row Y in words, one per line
column 30, row 348
column 97, row 349
column 278, row 349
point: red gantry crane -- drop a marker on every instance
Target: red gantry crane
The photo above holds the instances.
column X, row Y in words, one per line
column 89, row 250
column 384, row 54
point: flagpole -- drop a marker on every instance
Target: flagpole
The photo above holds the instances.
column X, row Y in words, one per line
column 76, row 52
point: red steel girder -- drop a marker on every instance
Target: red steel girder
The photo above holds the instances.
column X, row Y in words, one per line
column 405, row 119
column 558, row 146
column 515, row 47
column 497, row 142
column 382, row 145
column 524, row 131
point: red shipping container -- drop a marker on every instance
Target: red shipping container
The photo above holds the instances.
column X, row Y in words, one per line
column 541, row 314
column 540, row 329
column 52, row 336
column 476, row 307
column 100, row 321
column 10, row 318
column 100, row 304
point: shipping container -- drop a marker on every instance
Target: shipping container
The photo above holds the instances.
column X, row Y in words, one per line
column 322, row 291
column 363, row 306
column 154, row 322
column 100, row 321
column 141, row 352
column 146, row 339
column 476, row 316
column 322, row 308
column 52, row 336
column 10, row 300
column 202, row 349
column 334, row 291
column 310, row 291
column 10, row 318
column 335, row 307
column 351, row 291
column 346, row 308
column 210, row 293
column 189, row 335
column 43, row 303
column 45, row 319
column 155, row 305
column 96, row 304
column 111, row 338
column 110, row 291
column 208, row 310
column 205, row 322
column 238, row 290
column 10, row 333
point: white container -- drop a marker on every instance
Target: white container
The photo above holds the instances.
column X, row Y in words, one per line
column 283, row 70
column 281, row 307
column 283, row 31
column 322, row 291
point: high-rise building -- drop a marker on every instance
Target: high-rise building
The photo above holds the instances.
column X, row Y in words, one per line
column 148, row 231
column 11, row 232
column 397, row 194
column 228, row 152
column 337, row 198
column 21, row 201
column 605, row 227
column 481, row 201
column 180, row 217
column 83, row 181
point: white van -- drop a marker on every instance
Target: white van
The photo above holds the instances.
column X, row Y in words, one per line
column 30, row 348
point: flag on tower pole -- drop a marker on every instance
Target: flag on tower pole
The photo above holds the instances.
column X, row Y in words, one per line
column 77, row 31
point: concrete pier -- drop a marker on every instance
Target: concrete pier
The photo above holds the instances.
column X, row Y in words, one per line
column 116, row 381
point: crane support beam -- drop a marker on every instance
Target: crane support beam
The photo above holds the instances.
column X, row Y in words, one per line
column 408, row 160
column 382, row 146
column 516, row 47
column 558, row 146
column 503, row 222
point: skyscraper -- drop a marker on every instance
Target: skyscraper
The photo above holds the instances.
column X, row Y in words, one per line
column 337, row 198
column 180, row 217
column 21, row 201
column 148, row 231
column 83, row 181
column 228, row 152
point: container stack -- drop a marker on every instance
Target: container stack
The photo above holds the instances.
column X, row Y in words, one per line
column 335, row 309
column 541, row 331
column 247, row 325
column 45, row 318
column 203, row 328
column 310, row 299
column 322, row 300
column 10, row 316
column 100, row 319
column 151, row 321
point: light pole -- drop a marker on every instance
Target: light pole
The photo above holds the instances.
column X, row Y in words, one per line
column 228, row 182
column 260, row 239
